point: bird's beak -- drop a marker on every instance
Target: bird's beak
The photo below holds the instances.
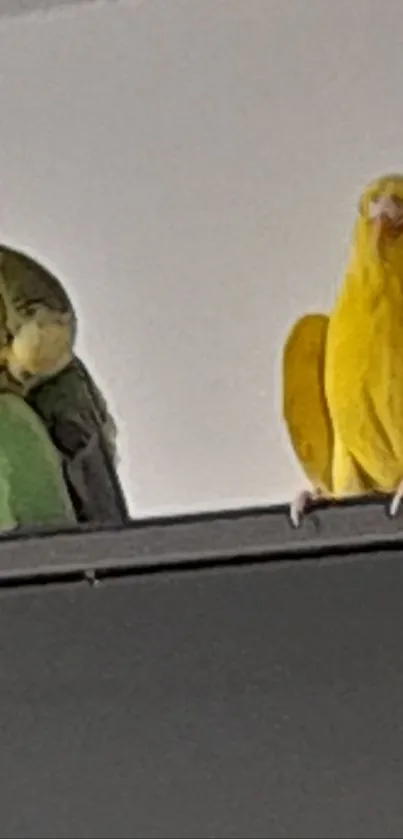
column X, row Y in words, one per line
column 386, row 218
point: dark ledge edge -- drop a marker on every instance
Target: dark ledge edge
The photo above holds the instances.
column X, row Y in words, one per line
column 241, row 536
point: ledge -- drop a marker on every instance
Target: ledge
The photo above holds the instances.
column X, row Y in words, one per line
column 187, row 541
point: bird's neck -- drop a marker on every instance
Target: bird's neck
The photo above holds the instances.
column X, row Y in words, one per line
column 370, row 273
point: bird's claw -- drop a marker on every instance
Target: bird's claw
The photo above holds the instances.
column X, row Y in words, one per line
column 396, row 500
column 300, row 504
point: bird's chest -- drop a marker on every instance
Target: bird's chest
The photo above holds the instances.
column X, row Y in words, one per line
column 365, row 344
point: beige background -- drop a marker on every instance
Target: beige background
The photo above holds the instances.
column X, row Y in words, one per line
column 190, row 168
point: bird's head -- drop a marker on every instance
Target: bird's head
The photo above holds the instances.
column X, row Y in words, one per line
column 380, row 215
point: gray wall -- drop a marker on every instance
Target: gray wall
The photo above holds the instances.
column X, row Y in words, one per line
column 23, row 7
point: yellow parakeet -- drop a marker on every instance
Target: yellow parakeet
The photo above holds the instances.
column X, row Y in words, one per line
column 343, row 373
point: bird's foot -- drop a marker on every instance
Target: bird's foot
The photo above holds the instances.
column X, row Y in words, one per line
column 302, row 502
column 396, row 500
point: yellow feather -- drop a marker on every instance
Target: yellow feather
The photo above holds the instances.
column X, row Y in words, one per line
column 304, row 405
column 364, row 357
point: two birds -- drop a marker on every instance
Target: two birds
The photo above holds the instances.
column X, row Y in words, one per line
column 343, row 372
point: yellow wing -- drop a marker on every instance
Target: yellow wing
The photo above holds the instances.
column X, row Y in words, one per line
column 304, row 404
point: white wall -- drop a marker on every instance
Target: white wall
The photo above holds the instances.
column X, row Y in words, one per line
column 190, row 169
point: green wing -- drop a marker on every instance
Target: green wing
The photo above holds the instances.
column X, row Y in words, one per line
column 32, row 487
